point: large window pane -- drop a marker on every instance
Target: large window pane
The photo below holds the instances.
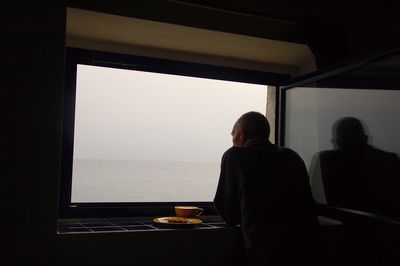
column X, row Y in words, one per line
column 148, row 137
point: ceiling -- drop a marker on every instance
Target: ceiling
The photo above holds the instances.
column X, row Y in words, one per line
column 260, row 35
column 88, row 28
column 371, row 14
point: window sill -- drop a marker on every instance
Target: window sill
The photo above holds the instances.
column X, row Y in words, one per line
column 120, row 225
column 115, row 225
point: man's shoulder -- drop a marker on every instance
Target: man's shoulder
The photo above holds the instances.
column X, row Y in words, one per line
column 289, row 153
column 231, row 152
column 237, row 153
column 242, row 150
column 381, row 153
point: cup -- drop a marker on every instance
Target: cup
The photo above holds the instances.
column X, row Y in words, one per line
column 188, row 211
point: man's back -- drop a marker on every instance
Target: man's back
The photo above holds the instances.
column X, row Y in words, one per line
column 266, row 190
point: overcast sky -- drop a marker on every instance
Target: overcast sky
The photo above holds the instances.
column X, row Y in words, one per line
column 134, row 115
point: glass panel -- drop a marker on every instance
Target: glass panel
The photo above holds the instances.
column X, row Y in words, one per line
column 349, row 140
column 149, row 137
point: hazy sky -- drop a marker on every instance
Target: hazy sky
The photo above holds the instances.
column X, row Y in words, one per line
column 133, row 115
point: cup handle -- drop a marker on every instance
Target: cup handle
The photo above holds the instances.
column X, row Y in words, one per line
column 199, row 212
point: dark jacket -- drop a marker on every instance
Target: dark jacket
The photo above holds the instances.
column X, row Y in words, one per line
column 266, row 190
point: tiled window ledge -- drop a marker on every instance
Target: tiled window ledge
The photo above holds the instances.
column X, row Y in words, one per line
column 128, row 225
column 146, row 224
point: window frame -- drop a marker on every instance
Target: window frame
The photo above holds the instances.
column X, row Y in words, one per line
column 75, row 56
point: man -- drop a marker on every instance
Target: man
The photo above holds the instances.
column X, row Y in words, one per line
column 265, row 190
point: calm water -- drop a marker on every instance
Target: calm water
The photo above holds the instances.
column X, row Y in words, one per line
column 142, row 181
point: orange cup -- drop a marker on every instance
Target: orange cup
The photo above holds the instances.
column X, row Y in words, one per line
column 188, row 211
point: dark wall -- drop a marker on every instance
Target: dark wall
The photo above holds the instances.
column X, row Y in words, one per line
column 336, row 42
column 34, row 36
column 35, row 49
column 34, row 46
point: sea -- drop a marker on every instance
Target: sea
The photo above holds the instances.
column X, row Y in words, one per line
column 143, row 181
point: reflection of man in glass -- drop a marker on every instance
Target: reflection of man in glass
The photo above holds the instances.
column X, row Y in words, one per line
column 357, row 175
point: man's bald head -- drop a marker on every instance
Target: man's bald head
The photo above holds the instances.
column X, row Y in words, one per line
column 253, row 125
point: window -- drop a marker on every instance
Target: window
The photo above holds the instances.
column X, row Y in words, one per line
column 142, row 133
column 344, row 125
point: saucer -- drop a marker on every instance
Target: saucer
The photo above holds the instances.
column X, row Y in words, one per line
column 169, row 222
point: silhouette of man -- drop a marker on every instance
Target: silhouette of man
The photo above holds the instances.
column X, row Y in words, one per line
column 265, row 190
column 357, row 175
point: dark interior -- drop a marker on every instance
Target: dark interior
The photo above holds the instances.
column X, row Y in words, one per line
column 34, row 40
